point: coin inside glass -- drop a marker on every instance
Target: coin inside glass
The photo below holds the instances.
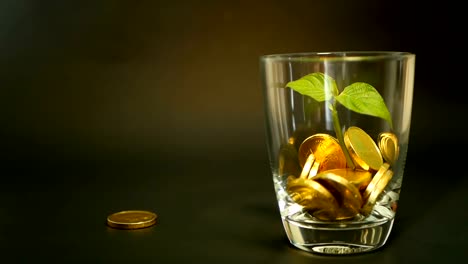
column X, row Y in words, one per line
column 359, row 178
column 308, row 166
column 348, row 196
column 388, row 145
column 373, row 183
column 326, row 150
column 362, row 148
column 311, row 195
column 314, row 169
column 376, row 192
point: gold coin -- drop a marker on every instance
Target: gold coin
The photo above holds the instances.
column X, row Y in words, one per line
column 314, row 169
column 359, row 178
column 347, row 195
column 295, row 185
column 375, row 180
column 311, row 195
column 363, row 149
column 288, row 163
column 307, row 166
column 299, row 185
column 388, row 145
column 376, row 192
column 132, row 219
column 326, row 150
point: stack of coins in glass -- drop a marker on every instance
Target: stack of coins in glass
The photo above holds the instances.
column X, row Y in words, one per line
column 326, row 186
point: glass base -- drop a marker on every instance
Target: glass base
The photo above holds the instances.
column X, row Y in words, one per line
column 337, row 238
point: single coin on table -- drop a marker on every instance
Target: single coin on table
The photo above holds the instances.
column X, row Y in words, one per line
column 132, row 219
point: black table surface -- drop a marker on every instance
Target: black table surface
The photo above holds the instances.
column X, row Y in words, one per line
column 210, row 210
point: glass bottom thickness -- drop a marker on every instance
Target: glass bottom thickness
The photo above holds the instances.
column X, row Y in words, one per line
column 337, row 238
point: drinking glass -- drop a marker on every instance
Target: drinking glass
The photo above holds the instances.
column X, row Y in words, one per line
column 337, row 129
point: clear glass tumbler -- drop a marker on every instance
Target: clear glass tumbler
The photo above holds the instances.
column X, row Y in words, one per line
column 337, row 126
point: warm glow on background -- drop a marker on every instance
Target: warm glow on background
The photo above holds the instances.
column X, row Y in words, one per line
column 129, row 77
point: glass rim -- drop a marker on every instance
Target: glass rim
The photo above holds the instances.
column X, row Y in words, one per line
column 337, row 56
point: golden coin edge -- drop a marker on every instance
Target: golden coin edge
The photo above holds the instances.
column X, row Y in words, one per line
column 364, row 176
column 115, row 223
column 384, row 138
column 377, row 191
column 307, row 166
column 375, row 180
column 358, row 161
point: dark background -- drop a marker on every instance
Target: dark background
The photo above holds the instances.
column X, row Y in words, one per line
column 112, row 105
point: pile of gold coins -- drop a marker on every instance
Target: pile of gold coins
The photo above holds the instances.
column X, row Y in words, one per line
column 321, row 181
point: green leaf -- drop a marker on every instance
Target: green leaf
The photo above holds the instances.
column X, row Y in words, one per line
column 363, row 98
column 317, row 85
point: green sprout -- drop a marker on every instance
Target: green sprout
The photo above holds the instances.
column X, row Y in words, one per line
column 359, row 97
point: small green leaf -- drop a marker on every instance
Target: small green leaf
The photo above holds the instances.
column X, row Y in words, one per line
column 317, row 85
column 363, row 98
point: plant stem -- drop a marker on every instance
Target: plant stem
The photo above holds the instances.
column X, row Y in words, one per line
column 339, row 134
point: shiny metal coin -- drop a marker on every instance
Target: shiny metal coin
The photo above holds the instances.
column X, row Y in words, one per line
column 388, row 145
column 314, row 170
column 312, row 196
column 307, row 166
column 376, row 192
column 326, row 150
column 132, row 219
column 371, row 186
column 359, row 178
column 362, row 149
column 347, row 195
